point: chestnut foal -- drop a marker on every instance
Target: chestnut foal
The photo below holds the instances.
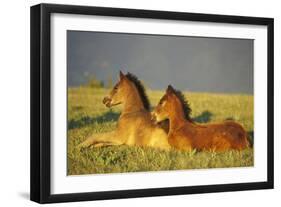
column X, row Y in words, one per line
column 184, row 134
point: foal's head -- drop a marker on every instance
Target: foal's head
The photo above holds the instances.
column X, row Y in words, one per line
column 127, row 88
column 172, row 103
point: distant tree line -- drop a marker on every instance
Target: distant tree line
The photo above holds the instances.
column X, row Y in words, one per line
column 93, row 82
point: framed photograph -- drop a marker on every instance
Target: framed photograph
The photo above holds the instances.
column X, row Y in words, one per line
column 132, row 103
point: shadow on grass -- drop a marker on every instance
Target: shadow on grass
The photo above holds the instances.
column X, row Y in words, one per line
column 76, row 108
column 204, row 117
column 87, row 120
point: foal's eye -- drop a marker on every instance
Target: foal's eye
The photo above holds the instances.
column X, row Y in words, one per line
column 115, row 88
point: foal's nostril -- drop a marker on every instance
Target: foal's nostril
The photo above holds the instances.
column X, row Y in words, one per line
column 105, row 100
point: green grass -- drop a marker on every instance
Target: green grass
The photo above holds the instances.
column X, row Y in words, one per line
column 87, row 114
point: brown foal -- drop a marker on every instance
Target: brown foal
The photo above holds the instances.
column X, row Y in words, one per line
column 184, row 134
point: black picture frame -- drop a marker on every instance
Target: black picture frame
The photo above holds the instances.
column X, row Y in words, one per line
column 41, row 99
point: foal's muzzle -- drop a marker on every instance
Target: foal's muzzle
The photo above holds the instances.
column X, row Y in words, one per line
column 107, row 101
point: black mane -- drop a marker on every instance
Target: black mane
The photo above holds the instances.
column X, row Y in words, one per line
column 185, row 105
column 140, row 89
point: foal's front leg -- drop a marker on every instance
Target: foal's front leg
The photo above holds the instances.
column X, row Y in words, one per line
column 104, row 139
column 105, row 144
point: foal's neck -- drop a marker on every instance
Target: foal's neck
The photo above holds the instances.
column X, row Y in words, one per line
column 133, row 102
column 177, row 117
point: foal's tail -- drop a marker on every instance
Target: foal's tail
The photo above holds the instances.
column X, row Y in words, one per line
column 250, row 140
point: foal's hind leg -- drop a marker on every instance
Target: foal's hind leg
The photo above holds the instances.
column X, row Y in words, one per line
column 104, row 139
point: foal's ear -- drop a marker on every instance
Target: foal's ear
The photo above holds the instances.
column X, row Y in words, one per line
column 170, row 89
column 121, row 75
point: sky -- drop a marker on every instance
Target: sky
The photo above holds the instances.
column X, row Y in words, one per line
column 199, row 64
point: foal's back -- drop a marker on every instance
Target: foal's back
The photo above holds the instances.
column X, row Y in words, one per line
column 217, row 136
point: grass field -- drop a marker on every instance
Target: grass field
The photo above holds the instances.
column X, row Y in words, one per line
column 87, row 114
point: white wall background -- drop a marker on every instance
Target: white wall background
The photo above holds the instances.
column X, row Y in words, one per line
column 14, row 101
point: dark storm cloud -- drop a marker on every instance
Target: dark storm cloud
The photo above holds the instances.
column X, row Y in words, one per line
column 188, row 63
